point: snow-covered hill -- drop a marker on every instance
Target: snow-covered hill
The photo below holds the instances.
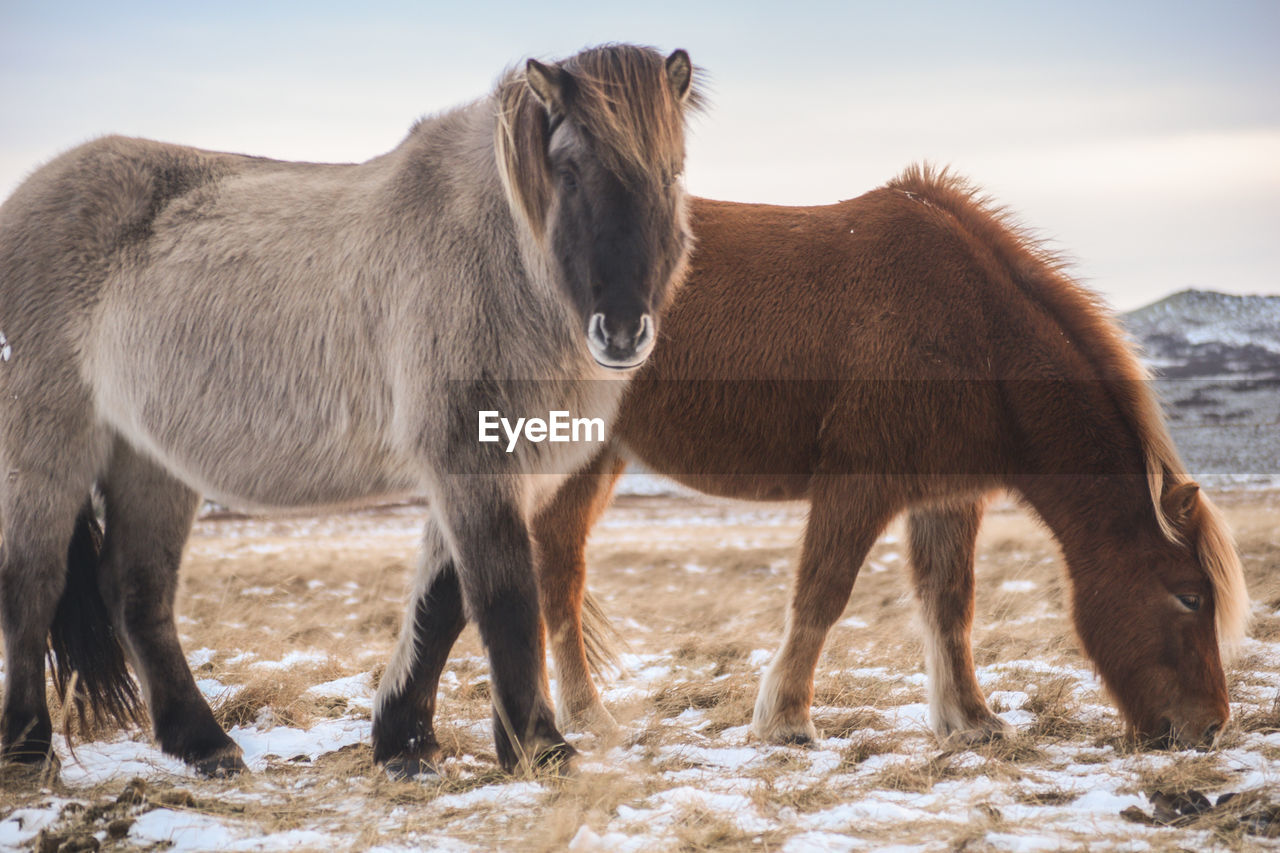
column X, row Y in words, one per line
column 1217, row 357
column 1199, row 333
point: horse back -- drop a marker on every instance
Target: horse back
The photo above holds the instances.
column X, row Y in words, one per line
column 67, row 228
column 838, row 337
column 136, row 277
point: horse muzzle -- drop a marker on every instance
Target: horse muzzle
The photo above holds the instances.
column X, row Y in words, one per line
column 620, row 345
column 1198, row 734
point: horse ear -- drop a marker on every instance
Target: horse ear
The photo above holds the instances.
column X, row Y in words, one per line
column 680, row 74
column 550, row 83
column 1180, row 501
column 523, row 133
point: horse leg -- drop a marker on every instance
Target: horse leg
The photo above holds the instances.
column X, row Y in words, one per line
column 844, row 521
column 50, row 453
column 404, row 738
column 942, row 544
column 560, row 533
column 33, row 571
column 494, row 558
column 149, row 516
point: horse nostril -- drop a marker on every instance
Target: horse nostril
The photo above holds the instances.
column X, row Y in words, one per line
column 645, row 335
column 620, row 338
column 596, row 330
column 1211, row 733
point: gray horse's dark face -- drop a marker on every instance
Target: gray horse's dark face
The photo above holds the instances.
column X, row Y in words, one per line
column 619, row 243
column 603, row 188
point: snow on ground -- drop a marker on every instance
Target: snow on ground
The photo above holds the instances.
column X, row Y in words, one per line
column 684, row 770
column 1073, row 794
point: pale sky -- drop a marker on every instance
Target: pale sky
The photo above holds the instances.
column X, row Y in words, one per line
column 1142, row 137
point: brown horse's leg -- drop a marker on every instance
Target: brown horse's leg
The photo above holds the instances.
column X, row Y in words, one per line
column 845, row 518
column 404, row 738
column 942, row 543
column 560, row 532
column 149, row 516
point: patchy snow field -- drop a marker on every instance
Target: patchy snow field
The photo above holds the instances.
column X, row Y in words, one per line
column 287, row 624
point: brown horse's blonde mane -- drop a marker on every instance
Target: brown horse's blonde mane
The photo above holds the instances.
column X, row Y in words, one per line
column 621, row 98
column 1042, row 276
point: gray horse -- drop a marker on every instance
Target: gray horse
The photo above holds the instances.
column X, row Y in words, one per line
column 182, row 323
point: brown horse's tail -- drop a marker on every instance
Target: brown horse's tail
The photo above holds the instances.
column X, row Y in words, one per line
column 600, row 638
column 89, row 666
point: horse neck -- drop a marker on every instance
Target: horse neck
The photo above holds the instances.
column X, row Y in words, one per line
column 447, row 161
column 1088, row 467
column 445, row 180
column 1093, row 517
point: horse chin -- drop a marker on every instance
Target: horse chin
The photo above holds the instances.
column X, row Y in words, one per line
column 1164, row 734
column 1157, row 734
column 619, row 365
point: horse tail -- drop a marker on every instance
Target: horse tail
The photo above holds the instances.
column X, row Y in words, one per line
column 600, row 637
column 89, row 665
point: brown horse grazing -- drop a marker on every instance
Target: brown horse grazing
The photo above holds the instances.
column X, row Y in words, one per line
column 912, row 350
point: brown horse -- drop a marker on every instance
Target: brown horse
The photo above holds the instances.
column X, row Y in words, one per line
column 912, row 350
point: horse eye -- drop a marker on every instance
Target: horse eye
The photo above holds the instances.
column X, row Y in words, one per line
column 1191, row 602
column 569, row 179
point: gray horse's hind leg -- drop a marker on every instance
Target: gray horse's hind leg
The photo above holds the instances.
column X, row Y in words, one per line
column 404, row 738
column 149, row 516
column 45, row 484
column 32, row 577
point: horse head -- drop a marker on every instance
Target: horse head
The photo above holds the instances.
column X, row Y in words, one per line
column 1158, row 632
column 591, row 153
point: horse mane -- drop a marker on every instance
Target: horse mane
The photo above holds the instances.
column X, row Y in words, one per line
column 621, row 98
column 1041, row 274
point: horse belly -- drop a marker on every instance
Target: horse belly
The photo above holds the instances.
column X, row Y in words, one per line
column 754, row 440
column 255, row 467
column 250, row 435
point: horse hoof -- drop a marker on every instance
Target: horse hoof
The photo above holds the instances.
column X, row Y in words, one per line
column 984, row 731
column 221, row 766
column 557, row 760
column 591, row 720
column 785, row 734
column 412, row 769
column 29, row 769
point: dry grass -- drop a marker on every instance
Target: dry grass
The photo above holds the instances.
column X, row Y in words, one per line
column 329, row 593
column 863, row 746
column 1183, row 773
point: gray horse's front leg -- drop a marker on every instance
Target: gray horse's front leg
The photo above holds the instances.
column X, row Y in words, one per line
column 494, row 557
column 404, row 738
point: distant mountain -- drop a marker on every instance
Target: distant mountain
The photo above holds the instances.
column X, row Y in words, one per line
column 1201, row 333
column 1217, row 359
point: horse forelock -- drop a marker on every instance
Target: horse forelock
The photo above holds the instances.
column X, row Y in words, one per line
column 621, row 99
column 624, row 101
column 1221, row 561
column 1042, row 275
